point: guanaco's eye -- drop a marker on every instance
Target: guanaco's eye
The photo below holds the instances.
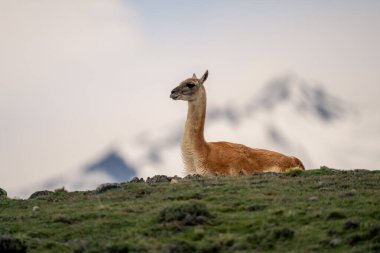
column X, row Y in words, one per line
column 190, row 85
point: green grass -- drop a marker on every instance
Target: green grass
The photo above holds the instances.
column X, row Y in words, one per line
column 314, row 211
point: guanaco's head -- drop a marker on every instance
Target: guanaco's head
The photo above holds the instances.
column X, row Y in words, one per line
column 189, row 89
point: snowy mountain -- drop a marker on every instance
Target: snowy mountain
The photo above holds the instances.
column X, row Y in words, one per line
column 111, row 167
column 304, row 98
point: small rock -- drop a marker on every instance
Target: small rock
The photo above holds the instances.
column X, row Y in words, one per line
column 158, row 179
column 270, row 174
column 312, row 198
column 38, row 194
column 329, row 171
column 105, row 187
column 176, row 178
column 335, row 242
column 194, row 176
column 137, row 180
column 35, row 208
column 3, row 193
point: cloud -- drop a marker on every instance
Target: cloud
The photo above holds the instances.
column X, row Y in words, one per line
column 62, row 76
column 42, row 38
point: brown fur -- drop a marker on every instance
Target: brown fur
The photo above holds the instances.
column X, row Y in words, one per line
column 223, row 158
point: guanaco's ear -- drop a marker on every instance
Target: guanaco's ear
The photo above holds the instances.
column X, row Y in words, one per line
column 204, row 77
column 194, row 76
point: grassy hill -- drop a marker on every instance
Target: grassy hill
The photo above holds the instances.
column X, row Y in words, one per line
column 320, row 210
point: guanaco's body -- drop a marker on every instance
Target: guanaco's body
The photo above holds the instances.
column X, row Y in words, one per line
column 221, row 158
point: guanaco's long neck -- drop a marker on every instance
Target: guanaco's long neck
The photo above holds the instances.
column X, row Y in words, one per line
column 194, row 128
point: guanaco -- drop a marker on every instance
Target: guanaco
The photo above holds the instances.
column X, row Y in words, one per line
column 220, row 158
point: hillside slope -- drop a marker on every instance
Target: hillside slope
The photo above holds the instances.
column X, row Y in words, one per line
column 320, row 210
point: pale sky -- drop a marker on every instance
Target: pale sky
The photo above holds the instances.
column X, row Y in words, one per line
column 78, row 76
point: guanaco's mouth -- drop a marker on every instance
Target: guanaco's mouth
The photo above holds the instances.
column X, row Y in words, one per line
column 174, row 96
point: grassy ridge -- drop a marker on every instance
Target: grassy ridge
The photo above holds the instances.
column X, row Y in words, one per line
column 314, row 211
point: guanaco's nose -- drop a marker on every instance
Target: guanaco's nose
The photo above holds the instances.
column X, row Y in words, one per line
column 174, row 94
